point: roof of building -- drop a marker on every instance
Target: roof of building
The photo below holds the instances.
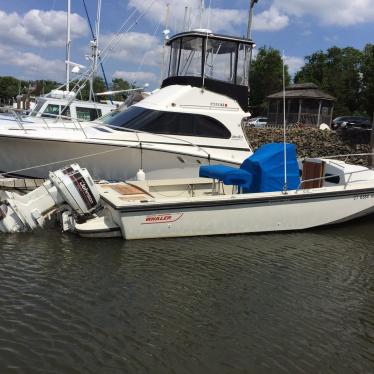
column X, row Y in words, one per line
column 303, row 91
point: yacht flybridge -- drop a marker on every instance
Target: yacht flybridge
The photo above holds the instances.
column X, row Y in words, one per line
column 195, row 118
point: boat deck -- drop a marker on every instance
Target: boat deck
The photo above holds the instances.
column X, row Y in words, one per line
column 133, row 192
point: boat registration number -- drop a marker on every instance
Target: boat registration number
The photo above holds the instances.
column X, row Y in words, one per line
column 363, row 197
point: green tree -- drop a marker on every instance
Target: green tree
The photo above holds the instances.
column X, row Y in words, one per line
column 337, row 72
column 42, row 87
column 9, row 87
column 266, row 78
column 120, row 84
column 367, row 71
column 98, row 86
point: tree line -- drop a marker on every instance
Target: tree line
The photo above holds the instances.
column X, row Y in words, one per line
column 11, row 87
column 345, row 73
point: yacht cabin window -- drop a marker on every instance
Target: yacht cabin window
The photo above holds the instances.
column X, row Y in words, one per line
column 54, row 110
column 190, row 57
column 88, row 114
column 220, row 60
column 168, row 123
column 37, row 107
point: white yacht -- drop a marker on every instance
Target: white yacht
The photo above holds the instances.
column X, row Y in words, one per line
column 195, row 118
column 57, row 105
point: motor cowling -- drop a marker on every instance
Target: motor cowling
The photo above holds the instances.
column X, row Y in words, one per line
column 72, row 186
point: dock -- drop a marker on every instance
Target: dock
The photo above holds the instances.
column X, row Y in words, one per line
column 20, row 184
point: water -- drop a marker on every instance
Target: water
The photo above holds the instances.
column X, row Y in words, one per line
column 294, row 302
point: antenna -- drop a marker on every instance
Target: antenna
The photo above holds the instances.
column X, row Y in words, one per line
column 284, row 126
column 185, row 18
column 166, row 33
column 202, row 8
column 209, row 13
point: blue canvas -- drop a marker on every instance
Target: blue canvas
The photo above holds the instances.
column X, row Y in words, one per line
column 267, row 167
column 227, row 174
column 261, row 172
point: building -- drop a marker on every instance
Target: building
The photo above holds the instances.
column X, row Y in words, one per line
column 305, row 105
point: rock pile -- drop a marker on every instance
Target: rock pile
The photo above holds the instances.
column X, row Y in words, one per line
column 311, row 142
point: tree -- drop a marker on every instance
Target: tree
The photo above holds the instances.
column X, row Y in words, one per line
column 9, row 87
column 337, row 72
column 367, row 71
column 98, row 86
column 42, row 87
column 120, row 84
column 266, row 78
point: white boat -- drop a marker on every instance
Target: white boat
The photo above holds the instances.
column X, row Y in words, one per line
column 57, row 107
column 192, row 207
column 257, row 197
column 196, row 117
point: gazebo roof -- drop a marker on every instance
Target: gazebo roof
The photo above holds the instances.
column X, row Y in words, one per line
column 303, row 91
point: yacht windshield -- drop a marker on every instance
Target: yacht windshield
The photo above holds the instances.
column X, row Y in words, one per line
column 37, row 107
column 168, row 123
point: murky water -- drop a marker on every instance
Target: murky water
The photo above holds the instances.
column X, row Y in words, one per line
column 280, row 303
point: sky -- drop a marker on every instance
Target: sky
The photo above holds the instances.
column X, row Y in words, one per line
column 33, row 32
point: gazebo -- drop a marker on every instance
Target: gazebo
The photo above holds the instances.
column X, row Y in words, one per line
column 306, row 105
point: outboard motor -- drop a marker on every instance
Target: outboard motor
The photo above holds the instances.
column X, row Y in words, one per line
column 71, row 185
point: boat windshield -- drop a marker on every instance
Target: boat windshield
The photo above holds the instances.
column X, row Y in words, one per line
column 37, row 107
column 168, row 123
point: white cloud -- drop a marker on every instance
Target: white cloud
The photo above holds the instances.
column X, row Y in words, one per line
column 39, row 28
column 294, row 64
column 217, row 19
column 331, row 39
column 135, row 47
column 136, row 76
column 32, row 65
column 332, row 12
column 270, row 20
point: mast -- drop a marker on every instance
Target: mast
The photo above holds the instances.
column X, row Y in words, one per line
column 284, row 124
column 68, row 47
column 95, row 49
column 249, row 36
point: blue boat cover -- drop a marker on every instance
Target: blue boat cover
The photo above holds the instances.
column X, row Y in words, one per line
column 261, row 172
column 227, row 174
column 267, row 167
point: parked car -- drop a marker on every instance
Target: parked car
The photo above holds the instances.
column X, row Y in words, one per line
column 351, row 122
column 258, row 122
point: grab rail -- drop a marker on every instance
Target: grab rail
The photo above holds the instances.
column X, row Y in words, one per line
column 332, row 176
column 18, row 120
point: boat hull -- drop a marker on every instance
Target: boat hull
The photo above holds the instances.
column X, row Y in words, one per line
column 35, row 158
column 295, row 211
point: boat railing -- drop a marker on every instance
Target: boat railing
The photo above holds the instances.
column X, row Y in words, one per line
column 347, row 182
column 18, row 119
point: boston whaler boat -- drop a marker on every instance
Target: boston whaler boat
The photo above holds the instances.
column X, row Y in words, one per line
column 264, row 194
column 195, row 118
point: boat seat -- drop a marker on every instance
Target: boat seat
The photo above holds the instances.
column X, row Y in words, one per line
column 313, row 173
column 263, row 171
column 227, row 175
